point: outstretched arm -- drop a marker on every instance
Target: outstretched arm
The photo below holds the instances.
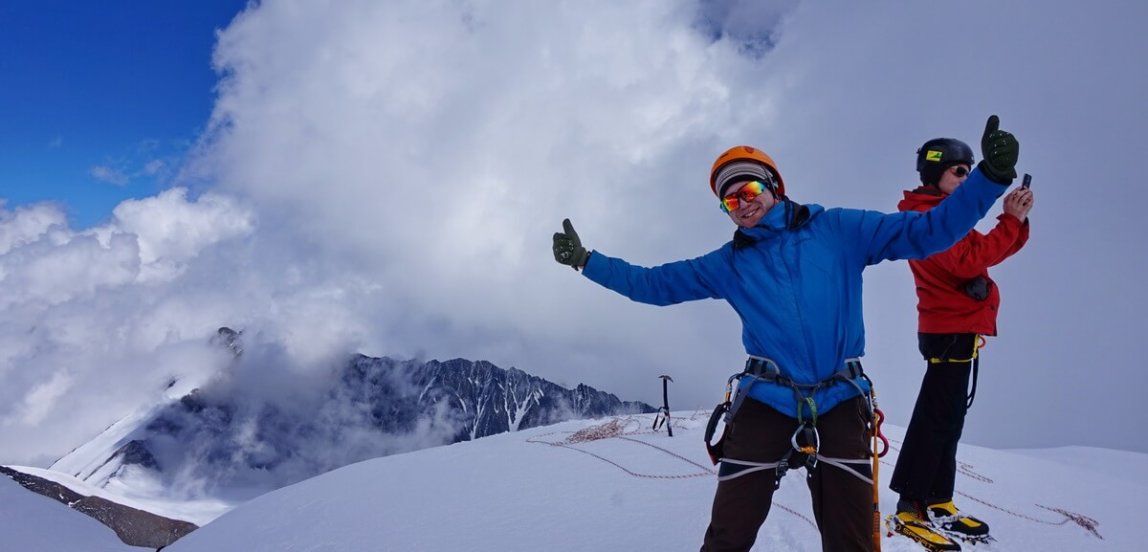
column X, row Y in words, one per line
column 667, row 284
column 662, row 285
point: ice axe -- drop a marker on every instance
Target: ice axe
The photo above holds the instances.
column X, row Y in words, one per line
column 663, row 416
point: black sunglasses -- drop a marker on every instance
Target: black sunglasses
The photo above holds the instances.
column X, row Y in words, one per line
column 960, row 171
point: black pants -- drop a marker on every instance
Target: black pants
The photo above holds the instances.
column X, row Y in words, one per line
column 842, row 503
column 927, row 466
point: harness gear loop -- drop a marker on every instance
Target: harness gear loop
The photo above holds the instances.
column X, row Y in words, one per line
column 721, row 410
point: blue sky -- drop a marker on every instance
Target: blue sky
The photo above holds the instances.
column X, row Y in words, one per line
column 101, row 99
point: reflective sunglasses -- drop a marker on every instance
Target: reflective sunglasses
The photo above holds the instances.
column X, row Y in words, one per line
column 960, row 172
column 748, row 192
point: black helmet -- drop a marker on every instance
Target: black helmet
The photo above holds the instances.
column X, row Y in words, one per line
column 938, row 154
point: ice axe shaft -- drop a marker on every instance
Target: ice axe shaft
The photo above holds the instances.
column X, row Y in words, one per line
column 664, row 412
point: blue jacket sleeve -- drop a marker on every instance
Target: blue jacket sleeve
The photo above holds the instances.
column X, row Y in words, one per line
column 916, row 235
column 667, row 284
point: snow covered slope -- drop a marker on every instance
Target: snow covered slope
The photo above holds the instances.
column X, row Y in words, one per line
column 550, row 488
column 33, row 523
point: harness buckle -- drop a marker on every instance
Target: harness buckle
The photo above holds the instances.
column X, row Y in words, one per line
column 782, row 467
column 762, row 367
column 853, row 366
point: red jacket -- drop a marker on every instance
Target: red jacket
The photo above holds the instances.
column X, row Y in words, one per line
column 942, row 304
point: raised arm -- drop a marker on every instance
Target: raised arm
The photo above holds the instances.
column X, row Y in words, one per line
column 915, row 235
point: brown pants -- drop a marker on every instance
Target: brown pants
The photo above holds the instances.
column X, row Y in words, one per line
column 842, row 503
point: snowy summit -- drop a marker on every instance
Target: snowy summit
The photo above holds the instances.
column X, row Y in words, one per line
column 613, row 484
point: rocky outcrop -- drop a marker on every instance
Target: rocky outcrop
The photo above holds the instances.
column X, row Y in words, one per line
column 133, row 526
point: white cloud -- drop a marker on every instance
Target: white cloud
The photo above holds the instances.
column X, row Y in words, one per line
column 155, row 167
column 111, row 175
column 41, row 398
column 57, row 272
column 110, row 308
column 172, row 230
column 27, row 224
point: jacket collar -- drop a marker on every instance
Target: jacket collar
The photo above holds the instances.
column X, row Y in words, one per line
column 924, row 196
column 786, row 215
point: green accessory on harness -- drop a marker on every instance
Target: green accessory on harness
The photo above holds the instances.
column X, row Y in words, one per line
column 807, row 401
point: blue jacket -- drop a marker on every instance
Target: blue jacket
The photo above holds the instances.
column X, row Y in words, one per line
column 797, row 286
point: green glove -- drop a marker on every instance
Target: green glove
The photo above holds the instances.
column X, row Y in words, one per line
column 1000, row 151
column 568, row 248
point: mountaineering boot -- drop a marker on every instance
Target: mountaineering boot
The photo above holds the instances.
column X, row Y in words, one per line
column 911, row 523
column 948, row 518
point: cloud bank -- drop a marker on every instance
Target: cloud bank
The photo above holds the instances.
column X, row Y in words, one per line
column 385, row 178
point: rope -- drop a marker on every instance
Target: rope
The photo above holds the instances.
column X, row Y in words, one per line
column 1082, row 520
column 669, row 452
column 616, row 429
column 964, row 468
column 1079, row 519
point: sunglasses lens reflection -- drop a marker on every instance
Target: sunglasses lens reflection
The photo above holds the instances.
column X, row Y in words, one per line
column 746, row 193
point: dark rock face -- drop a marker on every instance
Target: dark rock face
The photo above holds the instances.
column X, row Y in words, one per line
column 369, row 407
column 136, row 452
column 247, row 433
column 484, row 399
column 133, row 526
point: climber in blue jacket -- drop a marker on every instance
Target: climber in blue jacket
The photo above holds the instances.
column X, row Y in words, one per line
column 792, row 273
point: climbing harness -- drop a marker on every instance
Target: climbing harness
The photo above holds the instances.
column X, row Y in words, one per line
column 805, row 441
column 979, row 343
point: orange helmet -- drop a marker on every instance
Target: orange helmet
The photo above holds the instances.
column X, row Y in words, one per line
column 745, row 153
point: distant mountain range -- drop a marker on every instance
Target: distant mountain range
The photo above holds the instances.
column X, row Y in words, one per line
column 236, row 438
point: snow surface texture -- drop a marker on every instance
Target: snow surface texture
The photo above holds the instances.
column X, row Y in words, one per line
column 33, row 523
column 612, row 484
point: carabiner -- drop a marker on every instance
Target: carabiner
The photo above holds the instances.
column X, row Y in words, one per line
column 810, row 433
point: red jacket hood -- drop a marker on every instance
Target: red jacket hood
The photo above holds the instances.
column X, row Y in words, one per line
column 921, row 199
